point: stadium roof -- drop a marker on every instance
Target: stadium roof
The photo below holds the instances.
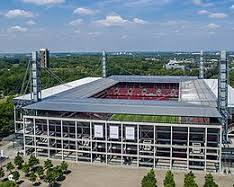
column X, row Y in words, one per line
column 165, row 108
column 152, row 79
column 60, row 88
column 76, row 99
column 197, row 92
column 213, row 85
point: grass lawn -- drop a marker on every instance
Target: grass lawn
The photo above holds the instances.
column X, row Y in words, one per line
column 144, row 118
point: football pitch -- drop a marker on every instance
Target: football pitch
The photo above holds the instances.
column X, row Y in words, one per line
column 144, row 118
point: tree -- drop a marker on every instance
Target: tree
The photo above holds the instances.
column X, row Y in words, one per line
column 209, row 181
column 15, row 176
column 149, row 180
column 40, row 171
column 58, row 171
column 33, row 161
column 169, row 180
column 32, row 177
column 10, row 167
column 2, row 173
column 64, row 166
column 18, row 161
column 189, row 180
column 48, row 164
column 25, row 168
column 8, row 184
column 51, row 176
column 6, row 115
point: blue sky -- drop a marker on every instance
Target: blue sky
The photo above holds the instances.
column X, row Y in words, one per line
column 96, row 25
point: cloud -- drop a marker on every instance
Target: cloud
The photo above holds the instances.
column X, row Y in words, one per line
column 212, row 33
column 232, row 7
column 44, row 2
column 114, row 20
column 139, row 21
column 203, row 12
column 218, row 15
column 125, row 36
column 140, row 3
column 117, row 20
column 19, row 13
column 76, row 22
column 213, row 26
column 94, row 34
column 17, row 28
column 31, row 22
column 77, row 31
column 84, row 11
column 201, row 3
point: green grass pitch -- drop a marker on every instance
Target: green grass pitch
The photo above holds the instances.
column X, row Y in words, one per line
column 144, row 118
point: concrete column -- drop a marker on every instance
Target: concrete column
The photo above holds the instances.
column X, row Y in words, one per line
column 188, row 149
column 48, row 137
column 121, row 144
column 91, row 141
column 106, row 140
column 15, row 119
column 205, row 148
column 34, row 134
column 62, row 136
column 138, row 147
column 24, row 142
column 154, row 142
column 220, row 151
column 76, row 141
column 171, row 148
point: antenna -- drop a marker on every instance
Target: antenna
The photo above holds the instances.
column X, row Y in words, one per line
column 223, row 92
column 35, row 80
column 104, row 64
column 201, row 71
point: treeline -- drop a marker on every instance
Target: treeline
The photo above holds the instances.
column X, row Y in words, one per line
column 75, row 67
column 6, row 117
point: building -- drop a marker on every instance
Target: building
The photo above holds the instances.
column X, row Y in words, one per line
column 44, row 58
column 177, row 65
column 144, row 121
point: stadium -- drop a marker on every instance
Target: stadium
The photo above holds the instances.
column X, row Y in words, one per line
column 173, row 122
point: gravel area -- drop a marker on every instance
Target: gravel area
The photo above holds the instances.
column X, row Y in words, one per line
column 86, row 175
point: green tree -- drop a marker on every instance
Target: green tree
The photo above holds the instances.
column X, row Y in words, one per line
column 25, row 168
column 2, row 173
column 18, row 161
column 64, row 166
column 7, row 184
column 32, row 177
column 10, row 167
column 189, row 180
column 33, row 161
column 169, row 180
column 15, row 176
column 51, row 176
column 58, row 171
column 209, row 181
column 149, row 180
column 6, row 116
column 48, row 164
column 40, row 171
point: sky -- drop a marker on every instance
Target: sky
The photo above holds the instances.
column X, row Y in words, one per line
column 116, row 25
